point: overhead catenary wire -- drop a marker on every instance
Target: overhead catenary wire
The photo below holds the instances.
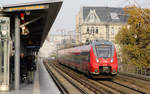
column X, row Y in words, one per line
column 137, row 8
column 141, row 14
column 136, row 3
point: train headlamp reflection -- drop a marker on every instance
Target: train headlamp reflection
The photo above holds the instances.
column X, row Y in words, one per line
column 97, row 60
column 112, row 60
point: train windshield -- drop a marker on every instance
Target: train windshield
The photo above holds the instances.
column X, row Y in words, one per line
column 104, row 50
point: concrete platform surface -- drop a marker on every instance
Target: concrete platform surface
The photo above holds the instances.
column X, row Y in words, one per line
column 43, row 83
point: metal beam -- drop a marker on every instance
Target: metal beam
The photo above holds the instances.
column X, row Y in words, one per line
column 29, row 22
column 17, row 53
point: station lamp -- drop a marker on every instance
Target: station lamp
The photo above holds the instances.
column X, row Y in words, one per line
column 27, row 12
column 25, row 30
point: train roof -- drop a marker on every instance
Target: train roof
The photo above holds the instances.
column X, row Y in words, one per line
column 101, row 42
column 86, row 48
column 78, row 49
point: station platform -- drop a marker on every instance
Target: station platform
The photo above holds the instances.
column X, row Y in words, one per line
column 43, row 83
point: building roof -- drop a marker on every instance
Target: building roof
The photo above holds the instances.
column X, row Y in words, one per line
column 107, row 14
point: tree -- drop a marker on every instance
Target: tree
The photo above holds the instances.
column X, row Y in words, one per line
column 134, row 39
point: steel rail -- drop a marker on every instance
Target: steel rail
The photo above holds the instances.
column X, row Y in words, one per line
column 62, row 89
column 128, row 87
column 80, row 89
column 85, row 83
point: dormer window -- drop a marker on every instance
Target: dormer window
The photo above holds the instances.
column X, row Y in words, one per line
column 92, row 18
column 114, row 16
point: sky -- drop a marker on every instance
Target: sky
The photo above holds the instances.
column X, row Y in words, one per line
column 66, row 17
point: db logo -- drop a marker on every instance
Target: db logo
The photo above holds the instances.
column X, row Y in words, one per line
column 105, row 61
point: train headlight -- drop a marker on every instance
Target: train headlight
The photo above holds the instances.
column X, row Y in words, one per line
column 97, row 60
column 112, row 60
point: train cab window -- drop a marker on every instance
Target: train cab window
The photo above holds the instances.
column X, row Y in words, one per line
column 104, row 51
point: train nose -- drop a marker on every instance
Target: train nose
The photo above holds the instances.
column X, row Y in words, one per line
column 96, row 70
column 104, row 69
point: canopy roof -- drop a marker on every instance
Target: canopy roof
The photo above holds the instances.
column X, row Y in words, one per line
column 38, row 17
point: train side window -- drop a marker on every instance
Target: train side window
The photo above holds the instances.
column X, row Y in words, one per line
column 85, row 56
column 86, row 59
column 89, row 57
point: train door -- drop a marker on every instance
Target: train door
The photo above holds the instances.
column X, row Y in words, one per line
column 4, row 53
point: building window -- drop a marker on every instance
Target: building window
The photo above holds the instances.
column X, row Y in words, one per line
column 119, row 29
column 92, row 30
column 87, row 40
column 112, row 31
column 87, row 30
column 96, row 30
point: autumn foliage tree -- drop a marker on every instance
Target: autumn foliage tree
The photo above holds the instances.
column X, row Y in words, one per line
column 134, row 39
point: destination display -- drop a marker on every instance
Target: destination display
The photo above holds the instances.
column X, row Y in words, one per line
column 102, row 46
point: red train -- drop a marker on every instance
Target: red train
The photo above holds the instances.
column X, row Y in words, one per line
column 97, row 59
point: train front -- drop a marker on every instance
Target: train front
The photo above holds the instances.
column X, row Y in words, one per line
column 103, row 59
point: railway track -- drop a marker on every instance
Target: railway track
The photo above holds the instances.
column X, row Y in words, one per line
column 84, row 83
column 121, row 88
column 132, row 82
column 92, row 84
column 136, row 76
column 104, row 86
column 64, row 89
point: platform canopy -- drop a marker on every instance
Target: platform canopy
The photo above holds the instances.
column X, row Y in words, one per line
column 36, row 19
